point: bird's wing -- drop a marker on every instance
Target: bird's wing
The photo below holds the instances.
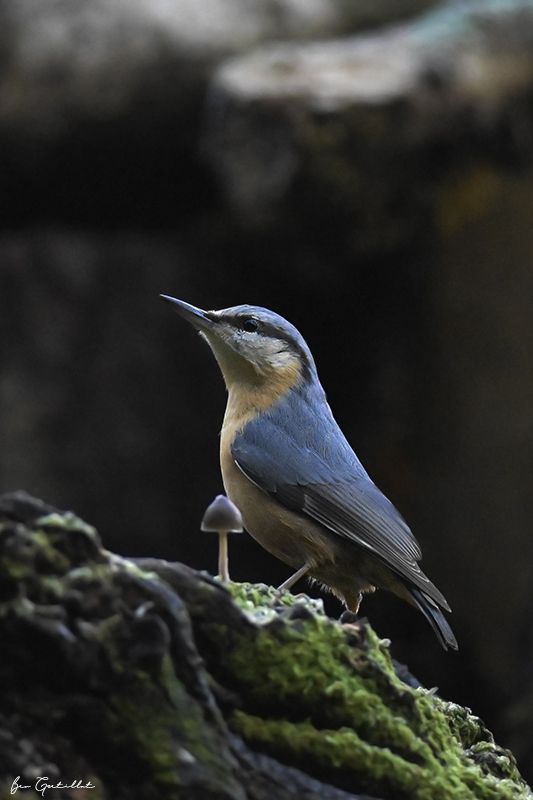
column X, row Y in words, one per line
column 299, row 456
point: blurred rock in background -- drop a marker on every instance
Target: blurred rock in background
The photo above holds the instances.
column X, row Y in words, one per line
column 366, row 176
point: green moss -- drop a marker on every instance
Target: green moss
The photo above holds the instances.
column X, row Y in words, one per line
column 258, row 598
column 15, row 570
column 147, row 732
column 441, row 777
column 67, row 521
column 326, row 696
column 164, row 727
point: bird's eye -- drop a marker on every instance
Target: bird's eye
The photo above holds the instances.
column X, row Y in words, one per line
column 249, row 325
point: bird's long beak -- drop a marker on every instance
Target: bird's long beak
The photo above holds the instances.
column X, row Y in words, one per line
column 194, row 315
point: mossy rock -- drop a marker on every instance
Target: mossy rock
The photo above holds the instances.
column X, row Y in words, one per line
column 150, row 680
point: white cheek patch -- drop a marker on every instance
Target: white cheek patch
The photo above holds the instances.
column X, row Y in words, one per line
column 281, row 360
column 267, row 354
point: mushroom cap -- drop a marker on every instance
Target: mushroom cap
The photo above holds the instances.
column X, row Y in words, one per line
column 222, row 516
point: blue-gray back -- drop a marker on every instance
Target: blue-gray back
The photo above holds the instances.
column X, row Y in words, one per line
column 297, row 453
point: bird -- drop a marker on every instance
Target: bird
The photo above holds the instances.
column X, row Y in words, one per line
column 302, row 491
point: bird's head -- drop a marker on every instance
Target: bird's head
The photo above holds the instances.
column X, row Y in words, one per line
column 253, row 346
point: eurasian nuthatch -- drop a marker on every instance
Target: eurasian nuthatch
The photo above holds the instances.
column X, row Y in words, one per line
column 302, row 491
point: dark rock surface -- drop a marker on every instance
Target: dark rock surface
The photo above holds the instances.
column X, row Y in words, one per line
column 141, row 679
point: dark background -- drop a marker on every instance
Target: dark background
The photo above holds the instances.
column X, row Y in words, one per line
column 399, row 242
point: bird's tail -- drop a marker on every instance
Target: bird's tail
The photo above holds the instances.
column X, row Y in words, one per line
column 435, row 617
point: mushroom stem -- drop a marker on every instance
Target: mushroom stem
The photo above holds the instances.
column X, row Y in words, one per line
column 223, row 571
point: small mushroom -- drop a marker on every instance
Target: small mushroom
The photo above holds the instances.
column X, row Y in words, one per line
column 222, row 517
